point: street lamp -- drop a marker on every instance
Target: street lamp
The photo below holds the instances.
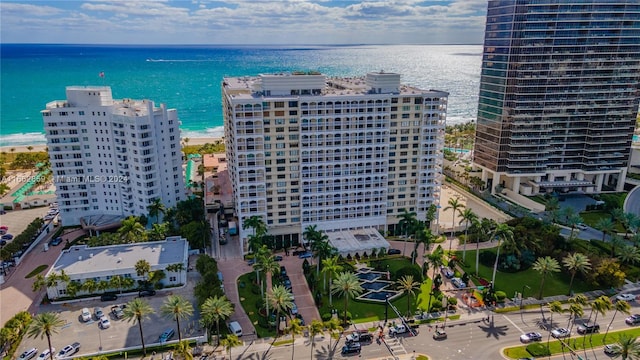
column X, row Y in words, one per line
column 386, row 309
column 521, row 300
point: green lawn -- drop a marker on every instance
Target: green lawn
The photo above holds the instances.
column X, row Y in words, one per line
column 250, row 298
column 591, row 218
column 575, row 342
column 510, row 283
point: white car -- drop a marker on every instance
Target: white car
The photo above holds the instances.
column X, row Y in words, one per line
column 86, row 315
column 46, row 354
column 626, row 297
column 105, row 323
column 28, row 354
column 560, row 333
column 529, row 337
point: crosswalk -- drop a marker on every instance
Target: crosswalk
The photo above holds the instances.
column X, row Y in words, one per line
column 395, row 346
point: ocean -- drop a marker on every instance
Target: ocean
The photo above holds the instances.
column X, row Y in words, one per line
column 188, row 78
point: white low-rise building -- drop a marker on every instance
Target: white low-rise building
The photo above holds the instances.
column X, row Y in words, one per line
column 102, row 263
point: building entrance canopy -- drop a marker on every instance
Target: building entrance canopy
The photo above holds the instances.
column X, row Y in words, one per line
column 357, row 241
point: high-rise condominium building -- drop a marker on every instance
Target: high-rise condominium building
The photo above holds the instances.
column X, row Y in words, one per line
column 339, row 153
column 558, row 94
column 112, row 157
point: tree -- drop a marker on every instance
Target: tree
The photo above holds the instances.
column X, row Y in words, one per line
column 576, row 310
column 176, row 307
column 408, row 286
column 136, row 310
column 619, row 306
column 605, row 225
column 38, row 283
column 229, row 342
column 629, row 254
column 143, row 268
column 257, row 224
column 333, row 326
column 45, row 324
column 554, row 307
column 627, row 347
column 435, row 259
column 158, row 232
column 331, row 267
column 501, row 232
column 348, row 285
column 545, row 265
column 294, row 329
column 215, row 309
column 572, row 221
column 183, row 350
column 599, row 306
column 483, row 228
column 4, row 188
column 455, row 205
column 315, row 328
column 131, row 230
column 608, row 274
column 468, row 217
column 576, row 263
column 280, row 299
column 156, row 208
column 406, row 223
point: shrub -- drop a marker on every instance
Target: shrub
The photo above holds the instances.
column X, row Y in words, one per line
column 326, row 316
column 538, row 350
column 501, row 295
column 410, row 270
column 453, row 301
column 435, row 305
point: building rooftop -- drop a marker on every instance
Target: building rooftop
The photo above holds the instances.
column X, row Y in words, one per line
column 350, row 242
column 84, row 259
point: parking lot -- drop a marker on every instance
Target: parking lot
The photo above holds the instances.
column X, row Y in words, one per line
column 121, row 333
column 17, row 220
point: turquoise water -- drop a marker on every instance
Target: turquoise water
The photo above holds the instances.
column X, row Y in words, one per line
column 188, row 78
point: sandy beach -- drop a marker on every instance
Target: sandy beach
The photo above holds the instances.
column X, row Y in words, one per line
column 41, row 147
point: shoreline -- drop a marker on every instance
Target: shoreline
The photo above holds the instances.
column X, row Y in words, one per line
column 42, row 147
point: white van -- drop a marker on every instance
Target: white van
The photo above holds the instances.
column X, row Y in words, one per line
column 235, row 329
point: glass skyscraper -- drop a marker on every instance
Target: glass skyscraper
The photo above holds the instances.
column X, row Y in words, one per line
column 559, row 95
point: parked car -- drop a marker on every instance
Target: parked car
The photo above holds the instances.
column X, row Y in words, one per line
column 394, row 252
column 69, row 350
column 166, row 335
column 28, row 354
column 299, row 317
column 105, row 323
column 4, row 227
column 108, row 297
column 626, row 297
column 117, row 311
column 277, row 258
column 45, row 354
column 633, row 319
column 447, row 272
column 251, row 262
column 352, row 348
column 294, row 309
column 457, row 282
column 559, row 333
column 55, row 242
column 588, row 328
column 283, row 271
column 439, row 335
column 362, row 335
column 398, row 329
column 7, row 237
column 612, row 349
column 287, row 283
column 86, row 315
column 97, row 311
column 305, row 255
column 582, row 226
column 529, row 337
column 146, row 292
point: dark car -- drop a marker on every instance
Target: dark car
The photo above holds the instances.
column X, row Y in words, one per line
column 394, row 252
column 299, row 317
column 57, row 241
column 7, row 237
column 305, row 255
column 283, row 271
column 277, row 257
column 352, row 348
column 146, row 292
column 588, row 328
column 166, row 335
column 108, row 297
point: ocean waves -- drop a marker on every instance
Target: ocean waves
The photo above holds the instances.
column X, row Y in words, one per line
column 33, row 138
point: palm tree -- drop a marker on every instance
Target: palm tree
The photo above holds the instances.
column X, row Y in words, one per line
column 176, row 307
column 131, row 230
column 629, row 254
column 423, row 235
column 347, row 284
column 45, row 324
column 136, row 310
column 627, row 347
column 435, row 259
column 605, row 225
column 545, row 265
column 554, row 307
column 575, row 263
column 572, row 221
column 576, row 310
column 229, row 342
column 294, row 329
column 483, row 229
column 407, row 285
column 183, row 350
column 257, row 224
column 330, row 266
column 281, row 300
column 267, row 263
column 333, row 326
column 501, row 232
column 468, row 217
column 156, row 208
column 158, row 231
column 407, row 221
column 619, row 306
column 455, row 206
column 142, row 268
column 600, row 306
column 310, row 232
column 215, row 309
column 315, row 328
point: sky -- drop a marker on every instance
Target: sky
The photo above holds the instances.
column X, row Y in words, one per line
column 250, row 22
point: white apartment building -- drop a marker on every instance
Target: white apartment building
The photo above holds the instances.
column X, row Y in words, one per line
column 338, row 153
column 112, row 157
